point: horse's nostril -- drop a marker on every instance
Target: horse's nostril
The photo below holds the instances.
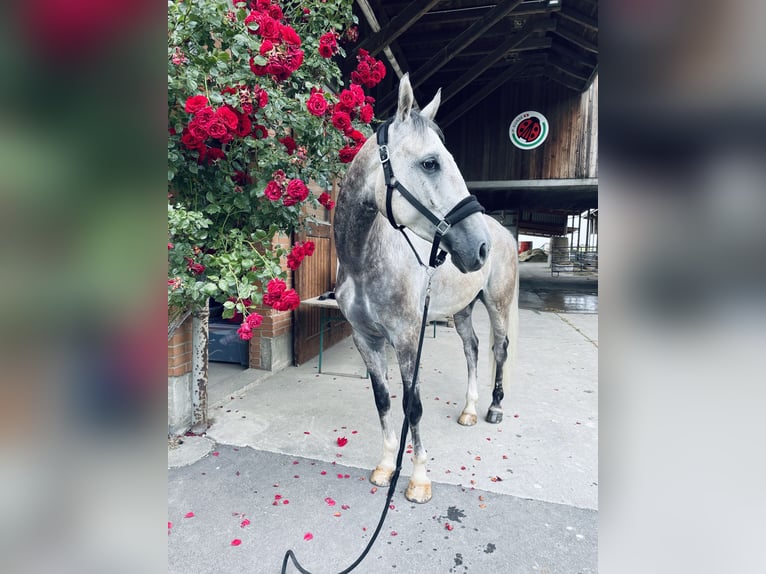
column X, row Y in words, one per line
column 483, row 250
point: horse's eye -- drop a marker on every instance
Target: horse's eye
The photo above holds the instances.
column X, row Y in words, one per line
column 430, row 164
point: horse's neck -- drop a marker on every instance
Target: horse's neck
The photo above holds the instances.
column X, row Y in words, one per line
column 356, row 212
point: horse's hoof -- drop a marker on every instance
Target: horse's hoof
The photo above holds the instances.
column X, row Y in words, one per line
column 467, row 419
column 419, row 493
column 494, row 416
column 381, row 476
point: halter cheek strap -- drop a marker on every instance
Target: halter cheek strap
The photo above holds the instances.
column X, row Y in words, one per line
column 467, row 206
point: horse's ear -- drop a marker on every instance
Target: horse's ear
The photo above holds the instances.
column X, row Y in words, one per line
column 430, row 110
column 406, row 98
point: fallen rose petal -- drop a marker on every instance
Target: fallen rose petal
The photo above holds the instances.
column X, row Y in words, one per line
column 394, row 533
column 345, row 506
column 244, row 523
column 285, row 501
column 481, row 497
column 296, row 462
column 354, row 431
column 340, row 475
column 170, row 525
column 391, row 506
column 323, row 472
column 482, row 506
column 277, row 496
column 308, row 536
column 448, row 526
column 342, row 441
column 329, row 501
column 189, row 515
column 505, row 457
column 236, row 542
column 215, row 453
column 346, row 476
column 306, row 432
column 462, row 468
column 374, row 489
column 336, row 514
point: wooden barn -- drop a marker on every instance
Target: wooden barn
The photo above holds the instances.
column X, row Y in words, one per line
column 493, row 62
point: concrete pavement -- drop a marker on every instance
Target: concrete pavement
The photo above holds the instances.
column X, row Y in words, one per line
column 521, row 496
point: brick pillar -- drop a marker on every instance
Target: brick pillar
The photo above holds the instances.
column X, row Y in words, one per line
column 271, row 347
column 180, row 378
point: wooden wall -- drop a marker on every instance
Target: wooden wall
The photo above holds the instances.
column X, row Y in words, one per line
column 483, row 150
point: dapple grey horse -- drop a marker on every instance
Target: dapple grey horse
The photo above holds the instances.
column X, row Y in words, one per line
column 382, row 283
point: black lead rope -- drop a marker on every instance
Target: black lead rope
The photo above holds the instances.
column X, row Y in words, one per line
column 290, row 555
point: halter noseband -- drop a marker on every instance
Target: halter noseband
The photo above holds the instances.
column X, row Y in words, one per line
column 467, row 206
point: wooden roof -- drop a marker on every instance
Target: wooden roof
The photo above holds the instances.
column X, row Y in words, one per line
column 479, row 45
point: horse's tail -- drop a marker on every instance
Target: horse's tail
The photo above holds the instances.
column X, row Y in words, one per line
column 512, row 321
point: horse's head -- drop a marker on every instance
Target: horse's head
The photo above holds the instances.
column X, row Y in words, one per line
column 423, row 166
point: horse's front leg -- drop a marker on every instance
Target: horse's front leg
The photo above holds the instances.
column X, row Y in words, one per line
column 419, row 488
column 373, row 351
column 464, row 327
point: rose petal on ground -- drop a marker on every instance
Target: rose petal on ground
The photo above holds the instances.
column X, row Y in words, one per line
column 373, row 490
column 215, row 453
column 170, row 525
column 306, row 432
column 394, row 533
column 448, row 526
column 236, row 542
column 345, row 506
column 323, row 472
column 336, row 514
column 277, row 496
column 308, row 536
column 285, row 501
column 329, row 501
column 342, row 441
column 189, row 515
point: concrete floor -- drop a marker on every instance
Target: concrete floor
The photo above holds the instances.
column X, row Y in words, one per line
column 521, row 496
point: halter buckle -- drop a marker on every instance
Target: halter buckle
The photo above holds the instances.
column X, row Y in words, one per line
column 443, row 226
column 383, row 149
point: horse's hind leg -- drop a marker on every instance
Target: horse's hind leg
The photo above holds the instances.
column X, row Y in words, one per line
column 373, row 351
column 499, row 321
column 464, row 327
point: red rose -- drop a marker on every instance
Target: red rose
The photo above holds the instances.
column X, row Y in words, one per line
column 278, row 70
column 260, row 132
column 245, row 332
column 288, row 201
column 366, row 113
column 245, row 126
column 308, row 248
column 347, row 154
column 289, row 36
column 195, row 104
column 273, row 191
column 325, row 51
column 358, row 93
column 196, row 268
column 288, row 301
column 253, row 18
column 261, row 95
column 326, row 200
column 275, row 12
column 269, row 28
column 189, row 139
column 357, row 136
column 294, row 260
column 214, row 154
column 341, row 120
column 347, row 99
column 266, row 47
column 297, row 189
column 276, row 287
column 217, row 129
column 257, row 69
column 289, row 144
column 204, row 116
column 316, row 104
column 228, row 116
column 254, row 320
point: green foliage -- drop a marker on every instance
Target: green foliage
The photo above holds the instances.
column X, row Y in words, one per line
column 221, row 226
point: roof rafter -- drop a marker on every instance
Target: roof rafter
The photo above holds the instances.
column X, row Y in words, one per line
column 396, row 27
column 458, row 44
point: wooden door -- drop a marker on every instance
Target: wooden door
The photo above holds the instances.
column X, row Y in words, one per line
column 315, row 276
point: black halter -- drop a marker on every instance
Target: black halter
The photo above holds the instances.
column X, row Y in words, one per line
column 468, row 206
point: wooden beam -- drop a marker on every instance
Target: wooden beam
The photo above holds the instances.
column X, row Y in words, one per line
column 579, row 18
column 506, row 76
column 457, row 45
column 564, row 70
column 579, row 57
column 467, row 14
column 577, row 40
column 396, row 27
column 477, row 69
column 569, row 184
column 556, row 75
